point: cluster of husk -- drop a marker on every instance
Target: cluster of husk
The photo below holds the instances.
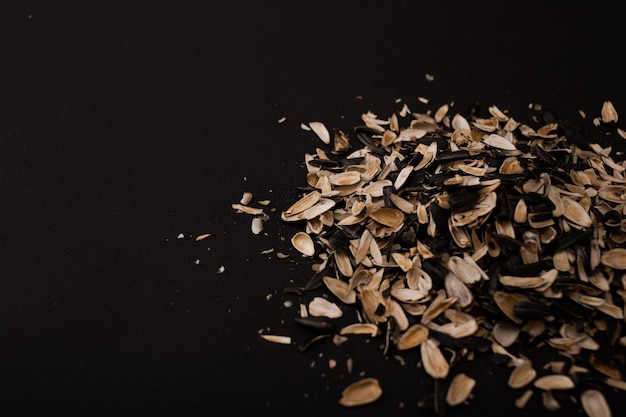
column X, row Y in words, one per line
column 452, row 234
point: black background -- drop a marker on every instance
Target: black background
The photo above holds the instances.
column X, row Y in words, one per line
column 123, row 125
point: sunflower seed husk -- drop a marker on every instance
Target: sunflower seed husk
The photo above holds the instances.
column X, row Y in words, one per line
column 283, row 340
column 340, row 289
column 321, row 131
column 594, row 403
column 257, row 225
column 522, row 375
column 322, row 307
column 364, row 391
column 303, row 243
column 460, row 389
column 549, row 401
column 412, row 337
column 388, row 216
column 614, row 258
column 554, row 382
column 360, row 328
column 522, row 400
column 433, row 360
column 609, row 114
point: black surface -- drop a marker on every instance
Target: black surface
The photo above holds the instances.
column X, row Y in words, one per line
column 124, row 125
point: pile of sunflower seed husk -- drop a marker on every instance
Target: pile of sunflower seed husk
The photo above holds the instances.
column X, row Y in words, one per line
column 451, row 232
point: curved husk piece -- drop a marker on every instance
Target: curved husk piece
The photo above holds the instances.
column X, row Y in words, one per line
column 505, row 333
column 460, row 389
column 554, row 382
column 522, row 375
column 364, row 391
column 467, row 272
column 303, row 243
column 412, row 337
column 360, row 328
column 575, row 212
column 321, row 307
column 308, row 200
column 499, row 142
column 594, row 403
column 433, row 360
column 614, row 258
column 388, row 216
column 457, row 288
column 506, row 302
column 340, row 289
column 321, row 131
